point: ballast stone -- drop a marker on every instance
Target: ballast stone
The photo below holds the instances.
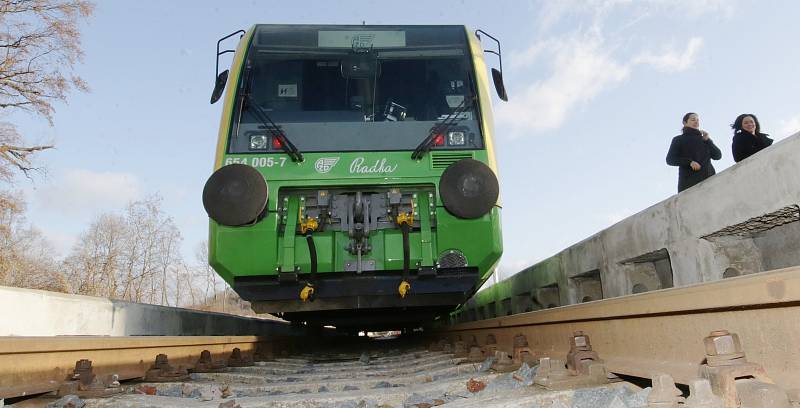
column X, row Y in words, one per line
column 68, row 401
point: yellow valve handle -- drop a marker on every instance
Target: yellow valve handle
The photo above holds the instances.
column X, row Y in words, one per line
column 403, row 288
column 405, row 218
column 310, row 224
column 307, row 293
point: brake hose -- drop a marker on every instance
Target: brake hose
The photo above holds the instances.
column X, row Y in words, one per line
column 308, row 291
column 405, row 286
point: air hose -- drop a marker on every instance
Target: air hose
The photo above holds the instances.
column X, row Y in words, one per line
column 404, row 285
column 312, row 252
column 308, row 291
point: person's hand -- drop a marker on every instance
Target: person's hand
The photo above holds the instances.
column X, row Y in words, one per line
column 705, row 135
column 695, row 165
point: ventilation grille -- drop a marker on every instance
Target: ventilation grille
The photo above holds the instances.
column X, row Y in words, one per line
column 452, row 259
column 442, row 160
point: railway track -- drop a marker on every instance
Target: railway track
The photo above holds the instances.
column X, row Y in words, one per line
column 593, row 354
column 378, row 373
column 32, row 365
column 739, row 334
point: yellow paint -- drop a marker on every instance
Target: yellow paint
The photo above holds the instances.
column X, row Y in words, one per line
column 230, row 96
column 403, row 288
column 485, row 96
column 307, row 293
column 405, row 218
column 310, row 224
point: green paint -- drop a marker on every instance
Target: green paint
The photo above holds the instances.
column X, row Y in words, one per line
column 423, row 212
column 262, row 248
column 287, row 260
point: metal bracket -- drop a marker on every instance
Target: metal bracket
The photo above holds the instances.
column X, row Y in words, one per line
column 162, row 371
column 292, row 206
column 426, row 272
column 237, row 359
column 423, row 212
column 242, row 32
column 581, row 354
column 287, row 277
column 522, row 352
column 84, row 383
column 553, row 375
column 205, row 364
column 353, row 266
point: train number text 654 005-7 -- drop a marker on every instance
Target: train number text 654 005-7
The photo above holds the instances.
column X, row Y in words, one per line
column 257, row 161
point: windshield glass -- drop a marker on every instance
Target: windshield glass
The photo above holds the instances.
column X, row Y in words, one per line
column 356, row 88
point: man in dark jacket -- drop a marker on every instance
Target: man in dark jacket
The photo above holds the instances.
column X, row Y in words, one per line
column 692, row 152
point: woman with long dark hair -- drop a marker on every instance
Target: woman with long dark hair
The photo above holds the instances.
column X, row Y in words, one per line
column 692, row 152
column 747, row 137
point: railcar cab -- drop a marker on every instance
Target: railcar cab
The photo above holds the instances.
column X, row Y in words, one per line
column 336, row 122
column 335, row 90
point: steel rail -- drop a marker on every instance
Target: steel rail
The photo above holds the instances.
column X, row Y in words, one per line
column 32, row 365
column 662, row 331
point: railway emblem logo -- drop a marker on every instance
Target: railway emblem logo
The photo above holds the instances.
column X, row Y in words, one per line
column 325, row 164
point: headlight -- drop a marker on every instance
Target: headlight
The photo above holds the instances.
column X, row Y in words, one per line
column 455, row 138
column 258, row 142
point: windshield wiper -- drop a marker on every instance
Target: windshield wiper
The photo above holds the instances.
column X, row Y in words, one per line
column 276, row 131
column 263, row 117
column 440, row 128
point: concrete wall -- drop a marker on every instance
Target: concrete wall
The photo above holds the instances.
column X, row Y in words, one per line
column 27, row 312
column 743, row 220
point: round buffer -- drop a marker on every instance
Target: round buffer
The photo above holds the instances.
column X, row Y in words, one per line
column 468, row 188
column 235, row 195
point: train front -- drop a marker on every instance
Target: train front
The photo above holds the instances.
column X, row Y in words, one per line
column 355, row 181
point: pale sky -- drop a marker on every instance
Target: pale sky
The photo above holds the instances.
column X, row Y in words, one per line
column 597, row 90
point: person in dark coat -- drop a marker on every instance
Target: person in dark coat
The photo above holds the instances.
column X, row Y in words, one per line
column 747, row 137
column 692, row 152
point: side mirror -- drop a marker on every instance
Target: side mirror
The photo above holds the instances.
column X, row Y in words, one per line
column 497, row 76
column 222, row 79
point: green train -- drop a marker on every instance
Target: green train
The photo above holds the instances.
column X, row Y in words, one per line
column 355, row 180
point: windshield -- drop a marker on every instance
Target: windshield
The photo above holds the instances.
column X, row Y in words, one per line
column 356, row 90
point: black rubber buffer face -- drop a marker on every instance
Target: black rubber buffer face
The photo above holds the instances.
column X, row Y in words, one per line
column 468, row 188
column 235, row 195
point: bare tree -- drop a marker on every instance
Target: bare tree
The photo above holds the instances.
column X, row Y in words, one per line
column 186, row 290
column 39, row 46
column 11, row 208
column 134, row 256
column 93, row 265
column 204, row 272
column 196, row 284
column 212, row 292
column 25, row 255
column 152, row 252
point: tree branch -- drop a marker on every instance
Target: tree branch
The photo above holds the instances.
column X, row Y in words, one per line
column 41, row 39
column 17, row 156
